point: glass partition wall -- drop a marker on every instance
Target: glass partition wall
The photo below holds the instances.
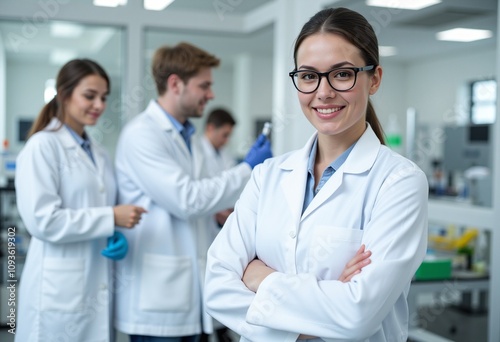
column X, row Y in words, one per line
column 32, row 57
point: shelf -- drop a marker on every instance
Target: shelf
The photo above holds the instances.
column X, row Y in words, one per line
column 422, row 335
column 461, row 214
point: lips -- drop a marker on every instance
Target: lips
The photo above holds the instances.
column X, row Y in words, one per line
column 95, row 115
column 329, row 112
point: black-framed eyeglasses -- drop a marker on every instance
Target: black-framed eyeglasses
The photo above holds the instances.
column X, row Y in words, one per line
column 340, row 79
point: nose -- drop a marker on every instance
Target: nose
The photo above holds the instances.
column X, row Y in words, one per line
column 210, row 94
column 324, row 90
column 99, row 104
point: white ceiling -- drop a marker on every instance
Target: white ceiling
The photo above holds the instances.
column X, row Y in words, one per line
column 411, row 32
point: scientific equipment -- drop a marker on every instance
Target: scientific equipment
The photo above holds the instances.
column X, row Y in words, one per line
column 7, row 164
column 267, row 129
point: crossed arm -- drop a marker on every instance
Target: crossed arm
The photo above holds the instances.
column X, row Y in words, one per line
column 257, row 271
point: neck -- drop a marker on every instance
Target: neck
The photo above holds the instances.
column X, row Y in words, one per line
column 169, row 106
column 330, row 147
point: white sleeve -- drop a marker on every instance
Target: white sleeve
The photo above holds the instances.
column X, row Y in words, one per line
column 146, row 161
column 227, row 297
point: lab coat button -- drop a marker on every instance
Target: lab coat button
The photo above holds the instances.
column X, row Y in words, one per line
column 292, row 234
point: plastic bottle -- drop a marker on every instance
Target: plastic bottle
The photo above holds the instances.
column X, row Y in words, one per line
column 480, row 264
column 394, row 134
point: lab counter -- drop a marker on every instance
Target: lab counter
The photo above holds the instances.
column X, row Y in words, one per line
column 459, row 309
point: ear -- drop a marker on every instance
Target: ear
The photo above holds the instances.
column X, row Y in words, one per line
column 375, row 80
column 210, row 128
column 174, row 84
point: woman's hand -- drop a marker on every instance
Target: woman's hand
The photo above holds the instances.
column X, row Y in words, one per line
column 127, row 215
column 222, row 216
column 354, row 266
column 255, row 273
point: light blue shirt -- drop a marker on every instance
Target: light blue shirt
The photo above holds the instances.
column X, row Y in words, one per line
column 83, row 142
column 186, row 130
column 329, row 171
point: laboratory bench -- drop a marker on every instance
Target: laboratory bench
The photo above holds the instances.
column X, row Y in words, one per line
column 458, row 312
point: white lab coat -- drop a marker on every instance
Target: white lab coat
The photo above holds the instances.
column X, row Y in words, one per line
column 65, row 202
column 376, row 197
column 214, row 164
column 161, row 294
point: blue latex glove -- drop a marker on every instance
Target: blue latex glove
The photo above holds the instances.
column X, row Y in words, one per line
column 260, row 151
column 117, row 247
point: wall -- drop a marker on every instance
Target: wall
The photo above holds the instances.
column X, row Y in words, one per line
column 438, row 90
column 435, row 85
column 25, row 86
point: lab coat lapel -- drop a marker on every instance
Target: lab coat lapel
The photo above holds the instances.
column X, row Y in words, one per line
column 157, row 114
column 99, row 160
column 360, row 160
column 326, row 191
column 294, row 182
column 75, row 151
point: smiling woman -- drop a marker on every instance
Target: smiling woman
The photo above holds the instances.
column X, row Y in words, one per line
column 290, row 263
column 66, row 195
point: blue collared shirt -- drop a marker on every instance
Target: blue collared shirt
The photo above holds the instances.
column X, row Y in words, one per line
column 329, row 171
column 186, row 130
column 83, row 142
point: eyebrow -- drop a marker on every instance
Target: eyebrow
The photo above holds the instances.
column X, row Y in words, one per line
column 93, row 91
column 337, row 65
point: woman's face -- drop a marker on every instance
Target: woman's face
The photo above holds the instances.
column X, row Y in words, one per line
column 86, row 103
column 331, row 112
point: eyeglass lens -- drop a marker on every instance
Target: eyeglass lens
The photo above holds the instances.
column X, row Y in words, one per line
column 339, row 79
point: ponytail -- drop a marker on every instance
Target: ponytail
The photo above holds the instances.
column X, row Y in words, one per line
column 371, row 118
column 48, row 112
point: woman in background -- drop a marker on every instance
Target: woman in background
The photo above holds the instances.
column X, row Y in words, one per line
column 66, row 194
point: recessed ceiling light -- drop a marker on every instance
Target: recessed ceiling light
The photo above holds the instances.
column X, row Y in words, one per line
column 66, row 30
column 463, row 35
column 110, row 3
column 156, row 5
column 403, row 4
column 386, row 51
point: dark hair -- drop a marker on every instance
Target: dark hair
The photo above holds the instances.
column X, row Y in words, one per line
column 220, row 117
column 67, row 79
column 353, row 27
column 184, row 60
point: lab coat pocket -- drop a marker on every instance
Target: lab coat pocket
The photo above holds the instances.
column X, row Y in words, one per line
column 331, row 248
column 166, row 283
column 63, row 284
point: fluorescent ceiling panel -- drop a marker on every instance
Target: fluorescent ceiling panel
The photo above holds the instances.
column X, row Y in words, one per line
column 156, row 5
column 403, row 4
column 463, row 35
column 110, row 3
column 386, row 51
column 66, row 30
